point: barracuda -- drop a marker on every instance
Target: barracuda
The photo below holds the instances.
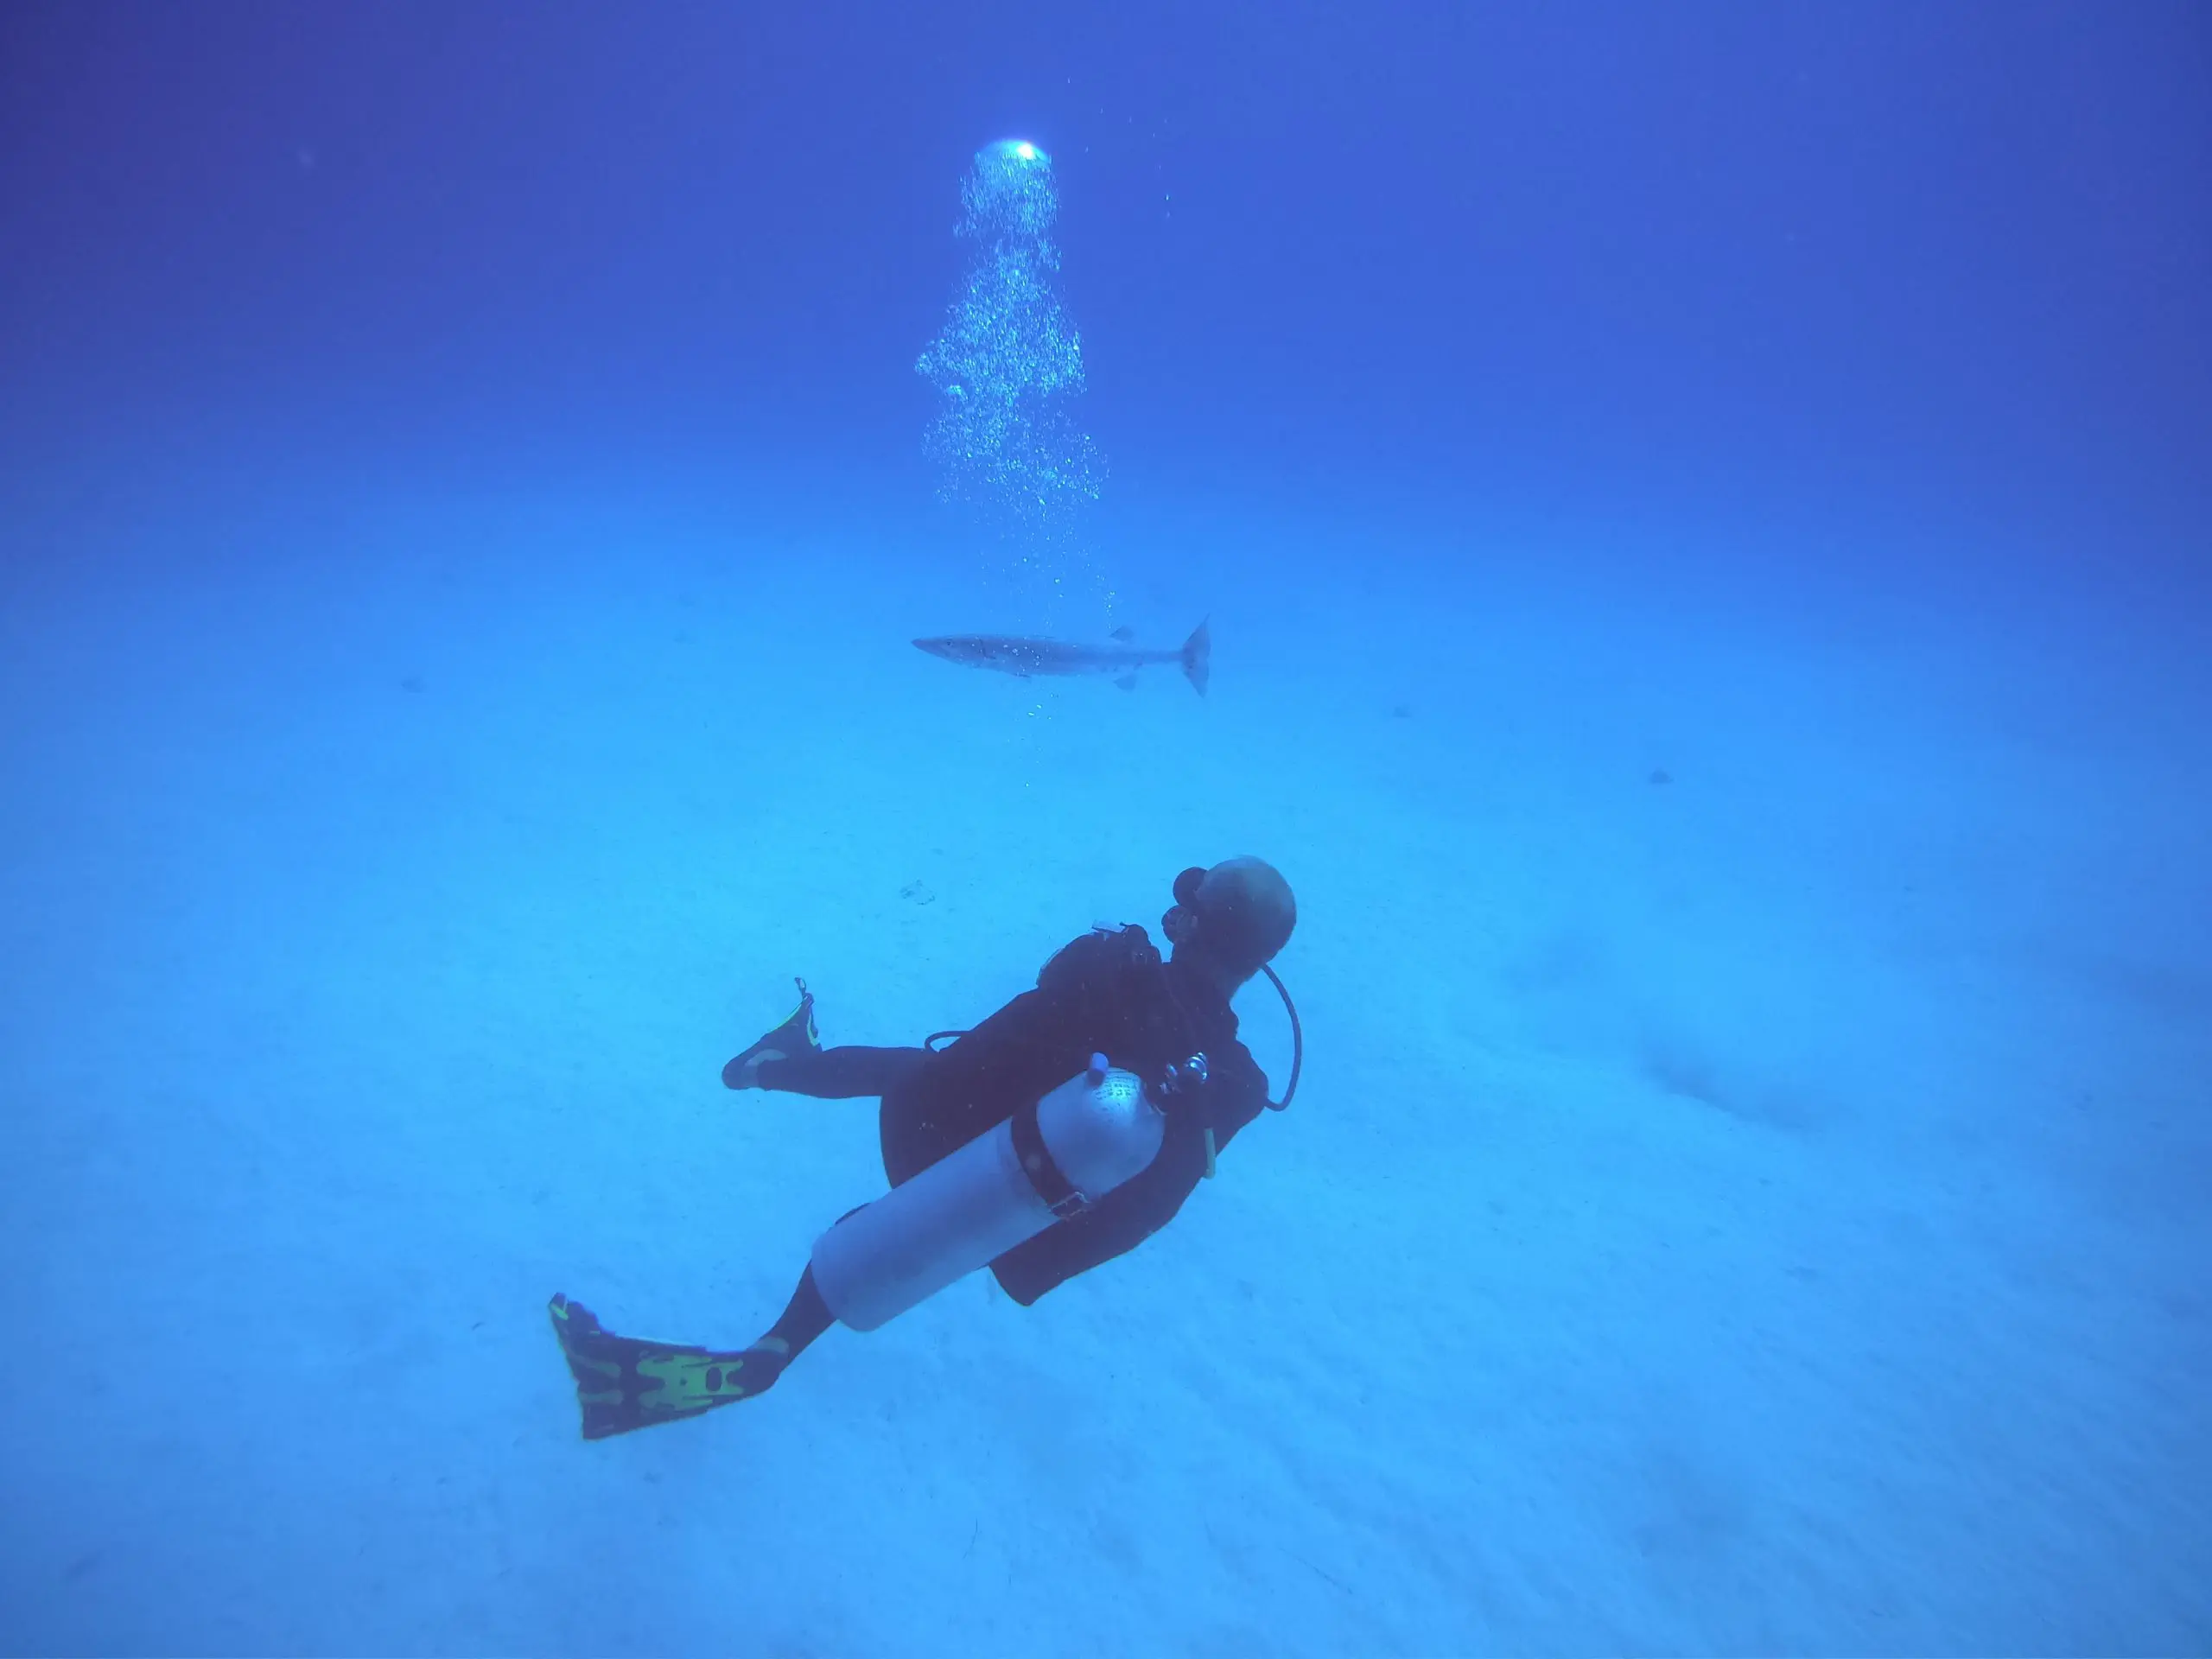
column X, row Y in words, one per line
column 1024, row 658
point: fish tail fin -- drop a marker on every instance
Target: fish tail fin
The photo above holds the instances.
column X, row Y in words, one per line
column 1198, row 659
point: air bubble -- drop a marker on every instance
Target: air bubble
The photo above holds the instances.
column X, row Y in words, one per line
column 1009, row 364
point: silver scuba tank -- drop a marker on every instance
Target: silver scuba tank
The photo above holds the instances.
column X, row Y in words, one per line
column 1049, row 1160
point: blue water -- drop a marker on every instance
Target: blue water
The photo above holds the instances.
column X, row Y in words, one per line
column 1704, row 515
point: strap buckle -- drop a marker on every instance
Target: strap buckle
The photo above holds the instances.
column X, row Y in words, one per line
column 1046, row 1179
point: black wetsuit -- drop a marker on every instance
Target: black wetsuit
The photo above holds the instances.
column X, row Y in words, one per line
column 1107, row 992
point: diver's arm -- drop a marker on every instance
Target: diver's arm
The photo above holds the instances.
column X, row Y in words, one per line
column 1046, row 1035
column 1059, row 1016
column 1236, row 1095
column 1093, row 968
column 1034, row 1043
column 1116, row 1225
column 1140, row 1206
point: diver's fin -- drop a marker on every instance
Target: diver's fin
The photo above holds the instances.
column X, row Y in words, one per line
column 623, row 1383
column 796, row 1035
column 1198, row 659
column 1128, row 681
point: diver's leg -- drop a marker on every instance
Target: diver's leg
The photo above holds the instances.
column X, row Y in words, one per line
column 806, row 1317
column 850, row 1073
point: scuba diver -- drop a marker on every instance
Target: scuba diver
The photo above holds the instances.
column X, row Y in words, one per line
column 1063, row 1131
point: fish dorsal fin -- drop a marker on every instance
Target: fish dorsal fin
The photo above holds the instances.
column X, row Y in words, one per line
column 1124, row 633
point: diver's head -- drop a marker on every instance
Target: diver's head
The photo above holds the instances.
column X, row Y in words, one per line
column 1231, row 920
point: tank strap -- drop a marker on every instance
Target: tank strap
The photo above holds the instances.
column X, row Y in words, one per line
column 1049, row 1180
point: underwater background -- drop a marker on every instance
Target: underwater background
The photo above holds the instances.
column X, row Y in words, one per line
column 1702, row 512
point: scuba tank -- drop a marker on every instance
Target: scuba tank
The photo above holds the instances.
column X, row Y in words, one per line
column 1048, row 1162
